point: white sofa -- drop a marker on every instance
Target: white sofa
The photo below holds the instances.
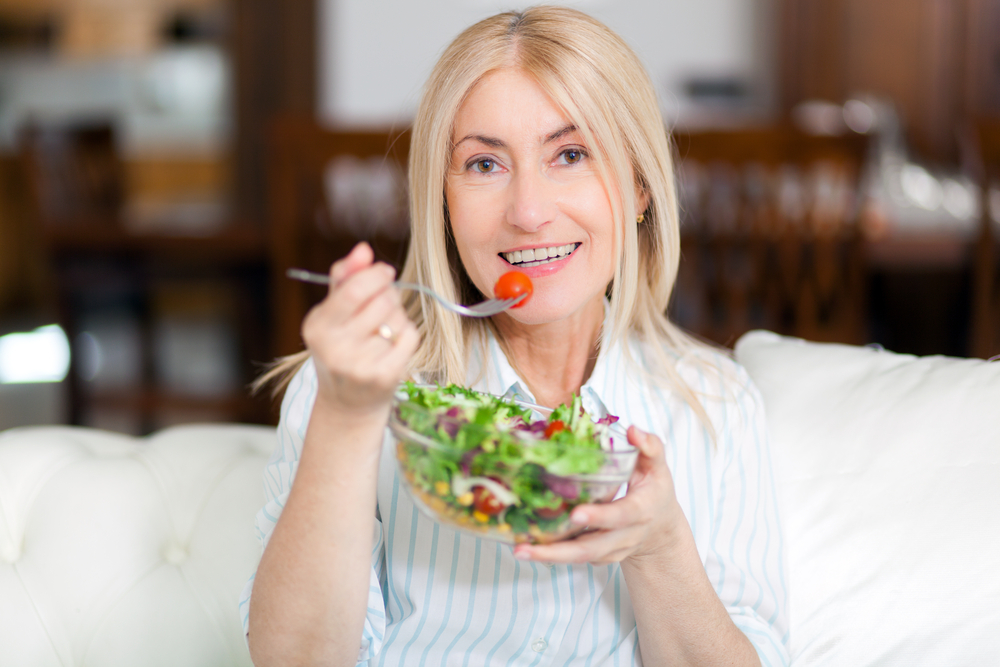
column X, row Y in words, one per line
column 116, row 551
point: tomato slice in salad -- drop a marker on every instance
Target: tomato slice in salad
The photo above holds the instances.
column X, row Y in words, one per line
column 512, row 285
column 555, row 427
column 484, row 501
column 551, row 512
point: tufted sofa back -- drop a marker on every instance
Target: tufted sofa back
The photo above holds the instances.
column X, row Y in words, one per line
column 118, row 551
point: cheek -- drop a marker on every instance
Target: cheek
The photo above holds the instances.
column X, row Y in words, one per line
column 475, row 214
column 471, row 231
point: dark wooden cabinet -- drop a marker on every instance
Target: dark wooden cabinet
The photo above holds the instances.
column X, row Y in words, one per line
column 938, row 61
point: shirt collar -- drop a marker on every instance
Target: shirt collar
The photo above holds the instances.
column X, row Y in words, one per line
column 501, row 379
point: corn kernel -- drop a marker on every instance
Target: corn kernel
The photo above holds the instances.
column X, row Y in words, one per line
column 442, row 488
column 503, row 528
column 480, row 517
column 466, row 498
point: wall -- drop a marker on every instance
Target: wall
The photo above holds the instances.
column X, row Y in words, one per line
column 375, row 55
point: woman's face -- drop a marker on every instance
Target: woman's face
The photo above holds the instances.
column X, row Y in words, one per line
column 524, row 193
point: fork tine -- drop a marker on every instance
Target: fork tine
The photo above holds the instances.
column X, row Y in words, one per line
column 494, row 306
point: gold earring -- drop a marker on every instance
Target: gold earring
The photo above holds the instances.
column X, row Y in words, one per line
column 642, row 216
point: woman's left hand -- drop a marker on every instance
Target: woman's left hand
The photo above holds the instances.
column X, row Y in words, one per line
column 646, row 521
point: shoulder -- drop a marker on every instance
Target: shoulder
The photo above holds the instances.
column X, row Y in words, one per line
column 715, row 371
column 704, row 369
column 722, row 386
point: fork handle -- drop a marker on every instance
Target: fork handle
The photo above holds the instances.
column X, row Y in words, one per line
column 323, row 279
column 308, row 276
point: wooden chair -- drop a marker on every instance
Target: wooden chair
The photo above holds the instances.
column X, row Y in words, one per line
column 770, row 235
column 985, row 336
column 75, row 173
column 77, row 189
column 329, row 190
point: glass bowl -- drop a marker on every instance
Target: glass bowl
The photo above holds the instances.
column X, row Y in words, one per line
column 497, row 489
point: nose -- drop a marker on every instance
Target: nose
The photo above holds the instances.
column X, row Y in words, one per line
column 532, row 200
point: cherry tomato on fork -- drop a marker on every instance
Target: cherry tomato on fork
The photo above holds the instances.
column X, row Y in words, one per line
column 512, row 285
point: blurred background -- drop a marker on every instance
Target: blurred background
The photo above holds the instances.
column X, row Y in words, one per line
column 162, row 162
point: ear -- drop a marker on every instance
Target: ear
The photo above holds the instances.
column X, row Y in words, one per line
column 641, row 199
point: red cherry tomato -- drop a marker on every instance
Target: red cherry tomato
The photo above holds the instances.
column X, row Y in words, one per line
column 554, row 428
column 550, row 512
column 484, row 501
column 512, row 285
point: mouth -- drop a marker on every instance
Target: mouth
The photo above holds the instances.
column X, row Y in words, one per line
column 539, row 256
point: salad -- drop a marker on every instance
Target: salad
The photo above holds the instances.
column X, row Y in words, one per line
column 502, row 468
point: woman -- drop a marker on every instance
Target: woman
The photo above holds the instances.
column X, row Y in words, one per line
column 538, row 144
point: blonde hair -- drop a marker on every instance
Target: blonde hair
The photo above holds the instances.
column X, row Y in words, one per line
column 601, row 85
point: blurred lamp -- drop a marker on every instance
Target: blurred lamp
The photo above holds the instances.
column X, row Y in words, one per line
column 41, row 355
column 959, row 199
column 859, row 116
column 819, row 117
column 920, row 187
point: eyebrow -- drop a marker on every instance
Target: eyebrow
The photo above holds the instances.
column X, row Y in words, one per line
column 493, row 142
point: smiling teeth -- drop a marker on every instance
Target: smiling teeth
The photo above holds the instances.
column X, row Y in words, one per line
column 538, row 255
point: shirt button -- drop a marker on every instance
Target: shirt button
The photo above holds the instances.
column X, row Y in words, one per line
column 539, row 645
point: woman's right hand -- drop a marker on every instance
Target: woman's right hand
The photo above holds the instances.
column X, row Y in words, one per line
column 357, row 367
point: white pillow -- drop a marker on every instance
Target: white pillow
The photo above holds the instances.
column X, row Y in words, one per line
column 888, row 471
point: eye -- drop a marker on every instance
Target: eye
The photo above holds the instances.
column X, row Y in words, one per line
column 572, row 155
column 484, row 166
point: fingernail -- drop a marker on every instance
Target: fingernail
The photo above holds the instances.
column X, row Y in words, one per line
column 580, row 518
column 523, row 554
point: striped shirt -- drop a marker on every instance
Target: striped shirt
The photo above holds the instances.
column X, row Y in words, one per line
column 442, row 597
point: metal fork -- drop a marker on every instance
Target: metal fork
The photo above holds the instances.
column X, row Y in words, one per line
column 483, row 309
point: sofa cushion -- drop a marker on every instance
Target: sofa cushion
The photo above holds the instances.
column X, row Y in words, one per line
column 888, row 470
column 123, row 551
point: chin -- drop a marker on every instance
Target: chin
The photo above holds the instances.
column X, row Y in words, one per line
column 547, row 310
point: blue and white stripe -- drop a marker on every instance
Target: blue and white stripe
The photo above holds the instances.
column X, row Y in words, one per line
column 439, row 597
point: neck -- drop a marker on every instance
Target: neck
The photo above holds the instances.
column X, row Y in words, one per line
column 555, row 358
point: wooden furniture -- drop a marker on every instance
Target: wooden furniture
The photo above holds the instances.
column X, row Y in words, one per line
column 275, row 49
column 328, row 191
column 769, row 235
column 24, row 277
column 986, row 281
column 149, row 283
column 77, row 177
column 935, row 61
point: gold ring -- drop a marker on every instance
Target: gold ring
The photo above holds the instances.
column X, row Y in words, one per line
column 385, row 331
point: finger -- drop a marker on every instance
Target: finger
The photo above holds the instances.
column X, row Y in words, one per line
column 595, row 547
column 624, row 512
column 397, row 361
column 383, row 308
column 354, row 293
column 372, row 347
column 361, row 255
column 651, row 454
column 380, row 309
column 648, row 444
column 383, row 363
